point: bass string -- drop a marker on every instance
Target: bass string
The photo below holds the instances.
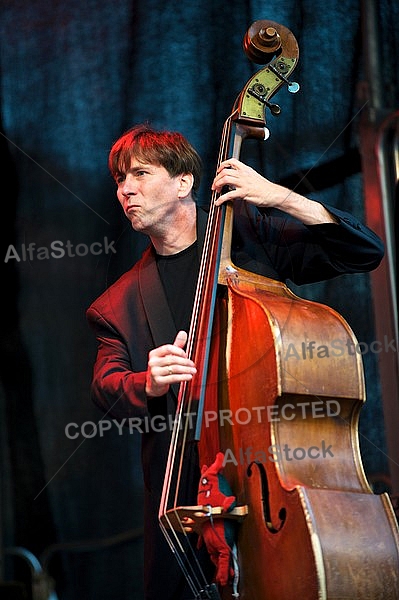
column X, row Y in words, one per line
column 186, row 556
column 185, row 397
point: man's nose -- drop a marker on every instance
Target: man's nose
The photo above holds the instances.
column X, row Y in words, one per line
column 128, row 186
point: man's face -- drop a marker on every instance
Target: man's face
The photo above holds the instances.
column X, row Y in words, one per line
column 149, row 196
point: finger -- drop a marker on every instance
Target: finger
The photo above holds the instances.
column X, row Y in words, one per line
column 157, row 354
column 230, row 163
column 230, row 195
column 178, row 367
column 180, row 339
column 226, row 180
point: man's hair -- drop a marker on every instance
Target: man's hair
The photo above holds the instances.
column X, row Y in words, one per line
column 168, row 149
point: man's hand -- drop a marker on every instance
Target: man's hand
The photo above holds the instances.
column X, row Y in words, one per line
column 168, row 364
column 244, row 182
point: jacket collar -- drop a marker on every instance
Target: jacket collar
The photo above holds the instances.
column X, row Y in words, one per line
column 154, row 300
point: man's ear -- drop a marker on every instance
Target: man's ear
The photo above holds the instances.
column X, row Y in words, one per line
column 186, row 184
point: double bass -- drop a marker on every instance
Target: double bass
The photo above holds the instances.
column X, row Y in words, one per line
column 307, row 522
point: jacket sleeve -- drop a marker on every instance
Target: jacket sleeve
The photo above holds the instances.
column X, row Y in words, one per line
column 115, row 387
column 351, row 245
column 309, row 253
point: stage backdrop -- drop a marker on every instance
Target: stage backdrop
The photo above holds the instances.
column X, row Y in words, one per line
column 74, row 75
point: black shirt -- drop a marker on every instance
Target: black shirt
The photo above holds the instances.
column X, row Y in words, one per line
column 179, row 273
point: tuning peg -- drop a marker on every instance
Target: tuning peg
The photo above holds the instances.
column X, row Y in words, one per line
column 274, row 108
column 259, row 91
column 279, row 69
column 293, row 87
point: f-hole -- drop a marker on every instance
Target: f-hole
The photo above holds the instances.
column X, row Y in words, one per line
column 266, row 498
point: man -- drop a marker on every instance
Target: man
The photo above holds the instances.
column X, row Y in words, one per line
column 141, row 321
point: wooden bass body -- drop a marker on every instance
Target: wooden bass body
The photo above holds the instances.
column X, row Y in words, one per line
column 290, row 390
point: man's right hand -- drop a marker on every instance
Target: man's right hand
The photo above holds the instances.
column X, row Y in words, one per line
column 168, row 364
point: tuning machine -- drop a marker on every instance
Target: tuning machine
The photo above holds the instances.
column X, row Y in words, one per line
column 280, row 68
column 259, row 91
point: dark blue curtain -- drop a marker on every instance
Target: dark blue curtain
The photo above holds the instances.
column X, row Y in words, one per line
column 74, row 75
